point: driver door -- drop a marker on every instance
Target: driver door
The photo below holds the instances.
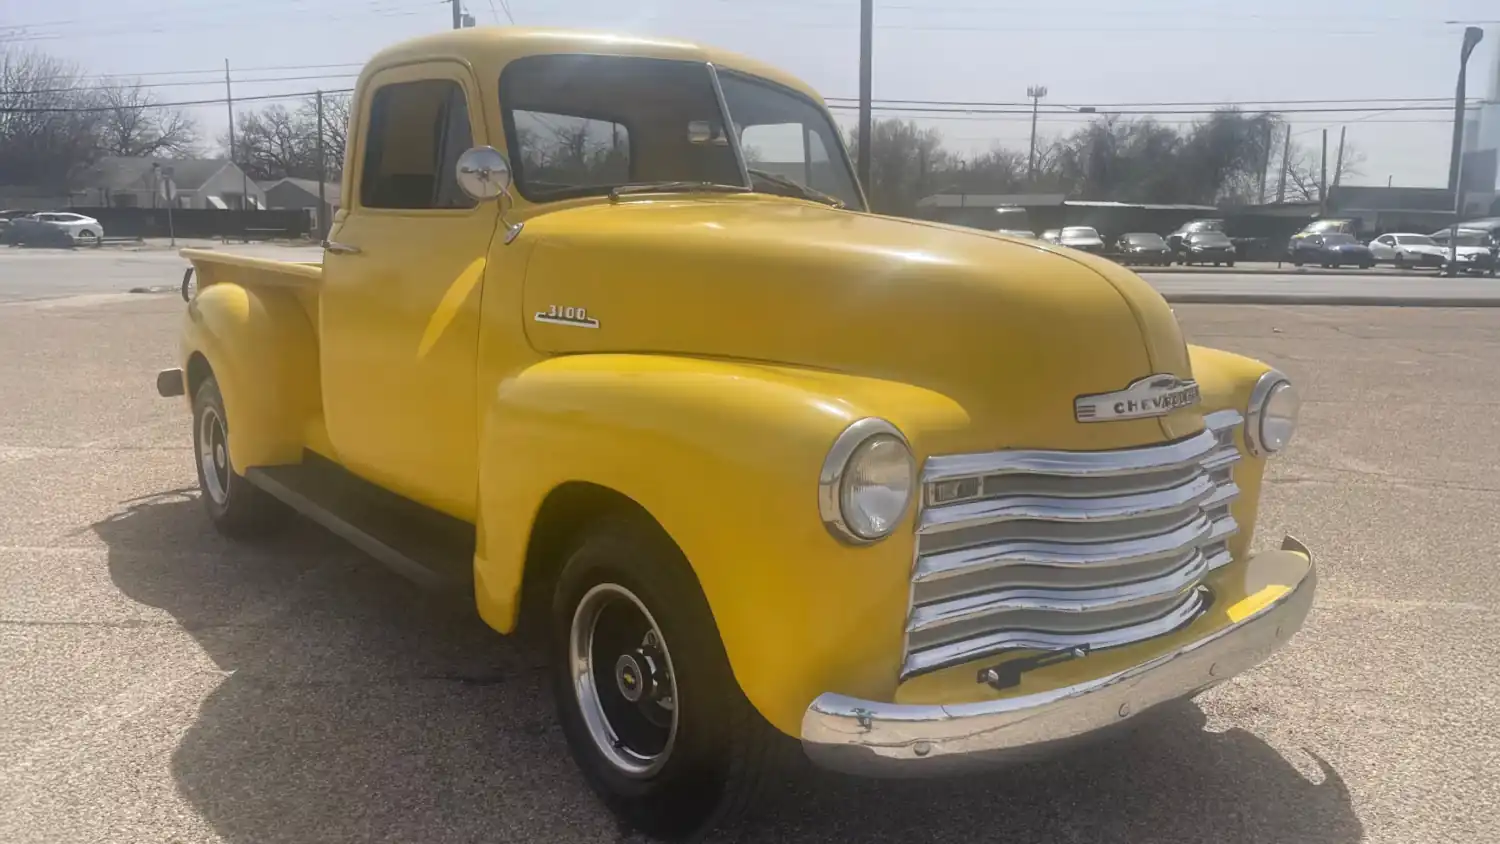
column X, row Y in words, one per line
column 402, row 280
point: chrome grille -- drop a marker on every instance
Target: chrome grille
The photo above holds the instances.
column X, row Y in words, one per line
column 1022, row 550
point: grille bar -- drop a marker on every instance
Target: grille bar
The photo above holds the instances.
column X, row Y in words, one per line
column 1048, row 549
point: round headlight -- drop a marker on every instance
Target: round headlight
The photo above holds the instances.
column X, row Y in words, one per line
column 867, row 481
column 1272, row 416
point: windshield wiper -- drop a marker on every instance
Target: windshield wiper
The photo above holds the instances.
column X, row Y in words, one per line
column 674, row 187
column 802, row 190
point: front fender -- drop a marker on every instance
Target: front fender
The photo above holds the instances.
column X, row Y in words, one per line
column 262, row 349
column 725, row 456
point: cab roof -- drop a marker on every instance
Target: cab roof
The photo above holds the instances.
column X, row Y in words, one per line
column 488, row 49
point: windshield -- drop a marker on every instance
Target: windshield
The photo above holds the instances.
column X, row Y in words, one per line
column 1325, row 226
column 1416, row 240
column 1208, row 238
column 1079, row 232
column 585, row 125
column 1338, row 239
column 1143, row 239
column 1473, row 238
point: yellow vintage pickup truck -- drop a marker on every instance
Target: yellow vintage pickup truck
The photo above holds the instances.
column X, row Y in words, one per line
column 604, row 335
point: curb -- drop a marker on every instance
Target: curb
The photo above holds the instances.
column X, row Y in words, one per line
column 1374, row 301
column 1288, row 270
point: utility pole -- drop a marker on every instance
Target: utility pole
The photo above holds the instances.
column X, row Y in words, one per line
column 866, row 68
column 1035, row 92
column 1265, row 166
column 458, row 14
column 322, row 170
column 1338, row 163
column 1323, row 178
column 1286, row 163
column 244, row 179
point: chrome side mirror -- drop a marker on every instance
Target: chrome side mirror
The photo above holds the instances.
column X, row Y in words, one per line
column 484, row 174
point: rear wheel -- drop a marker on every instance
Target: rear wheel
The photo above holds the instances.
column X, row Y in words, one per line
column 236, row 507
column 1400, row 261
column 88, row 238
column 652, row 713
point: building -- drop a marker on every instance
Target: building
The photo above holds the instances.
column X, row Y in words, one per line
column 120, row 182
column 302, row 193
column 1481, row 157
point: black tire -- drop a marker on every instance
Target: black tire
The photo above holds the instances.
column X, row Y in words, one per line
column 1296, row 262
column 1217, row 263
column 89, row 238
column 717, row 760
column 237, row 508
column 1399, row 261
column 1229, row 263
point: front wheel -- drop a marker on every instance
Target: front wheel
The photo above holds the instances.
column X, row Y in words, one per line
column 1400, row 261
column 651, row 711
column 88, row 238
column 1229, row 263
column 236, row 507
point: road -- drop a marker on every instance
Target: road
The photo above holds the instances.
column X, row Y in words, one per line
column 162, row 684
column 27, row 274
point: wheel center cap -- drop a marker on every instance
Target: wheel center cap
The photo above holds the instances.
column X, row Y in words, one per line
column 630, row 678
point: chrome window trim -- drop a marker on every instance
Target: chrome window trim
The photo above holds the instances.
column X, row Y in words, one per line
column 1267, row 382
column 831, row 477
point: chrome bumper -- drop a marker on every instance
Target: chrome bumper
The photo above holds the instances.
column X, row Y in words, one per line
column 905, row 740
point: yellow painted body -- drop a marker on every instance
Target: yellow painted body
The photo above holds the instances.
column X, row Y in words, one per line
column 738, row 335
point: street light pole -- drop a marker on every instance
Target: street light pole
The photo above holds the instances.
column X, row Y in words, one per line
column 866, row 68
column 1035, row 92
column 1472, row 36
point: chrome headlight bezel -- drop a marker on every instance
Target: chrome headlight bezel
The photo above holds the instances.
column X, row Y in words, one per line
column 1266, row 387
column 835, row 472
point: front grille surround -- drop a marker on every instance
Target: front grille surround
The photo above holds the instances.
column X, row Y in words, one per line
column 1039, row 550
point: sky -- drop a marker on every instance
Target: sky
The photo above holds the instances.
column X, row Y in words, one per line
column 1086, row 52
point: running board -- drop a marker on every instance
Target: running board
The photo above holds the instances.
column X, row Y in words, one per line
column 432, row 549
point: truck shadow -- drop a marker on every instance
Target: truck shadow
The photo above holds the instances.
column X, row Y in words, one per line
column 355, row 708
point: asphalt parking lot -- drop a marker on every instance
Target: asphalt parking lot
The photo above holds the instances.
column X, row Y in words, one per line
column 164, row 685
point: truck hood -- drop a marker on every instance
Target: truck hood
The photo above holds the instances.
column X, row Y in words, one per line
column 1013, row 331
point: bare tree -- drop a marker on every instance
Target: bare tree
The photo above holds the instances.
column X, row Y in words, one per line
column 46, row 132
column 1305, row 171
column 907, row 164
column 135, row 124
column 276, row 141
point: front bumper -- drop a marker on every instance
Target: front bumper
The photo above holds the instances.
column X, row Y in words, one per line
column 908, row 740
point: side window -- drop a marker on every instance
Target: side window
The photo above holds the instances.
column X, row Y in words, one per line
column 564, row 151
column 417, row 131
column 1387, row 240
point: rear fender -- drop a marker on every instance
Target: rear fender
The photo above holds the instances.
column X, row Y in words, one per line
column 263, row 351
column 725, row 457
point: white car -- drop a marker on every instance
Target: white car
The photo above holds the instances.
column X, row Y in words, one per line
column 84, row 230
column 1408, row 250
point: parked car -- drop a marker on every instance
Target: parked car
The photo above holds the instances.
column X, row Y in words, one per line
column 1408, row 250
column 1082, row 238
column 29, row 231
column 1021, row 233
column 84, row 230
column 1207, row 247
column 1330, row 250
column 1473, row 254
column 1174, row 240
column 7, row 216
column 1052, row 235
column 1143, row 248
column 583, row 455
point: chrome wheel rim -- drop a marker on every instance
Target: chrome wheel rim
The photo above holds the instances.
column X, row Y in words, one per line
column 623, row 680
column 213, row 455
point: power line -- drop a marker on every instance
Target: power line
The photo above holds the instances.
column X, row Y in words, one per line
column 1141, row 112
column 124, row 83
column 181, row 103
column 508, row 16
column 1217, row 103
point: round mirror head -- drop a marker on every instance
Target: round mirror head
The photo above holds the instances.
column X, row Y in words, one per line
column 483, row 173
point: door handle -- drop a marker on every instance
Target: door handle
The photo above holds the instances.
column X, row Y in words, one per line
column 340, row 248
